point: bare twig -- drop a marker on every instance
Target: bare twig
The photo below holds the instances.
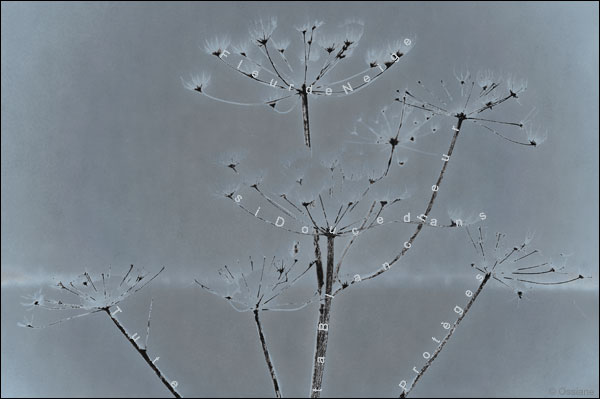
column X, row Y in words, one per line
column 448, row 336
column 265, row 349
column 144, row 354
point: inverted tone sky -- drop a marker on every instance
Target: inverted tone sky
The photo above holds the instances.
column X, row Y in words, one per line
column 106, row 159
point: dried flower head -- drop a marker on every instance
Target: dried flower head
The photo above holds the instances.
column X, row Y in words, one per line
column 458, row 217
column 217, row 45
column 196, row 82
column 91, row 294
column 517, row 266
column 535, row 135
column 394, row 131
column 281, row 45
column 271, row 66
column 472, row 101
column 261, row 31
column 232, row 159
column 329, row 196
column 259, row 285
column 486, row 80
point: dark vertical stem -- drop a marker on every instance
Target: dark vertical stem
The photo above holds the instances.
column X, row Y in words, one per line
column 304, row 100
column 318, row 262
column 266, row 353
column 323, row 333
column 447, row 338
column 143, row 353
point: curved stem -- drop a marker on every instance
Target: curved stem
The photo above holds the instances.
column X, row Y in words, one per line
column 414, row 236
column 273, row 64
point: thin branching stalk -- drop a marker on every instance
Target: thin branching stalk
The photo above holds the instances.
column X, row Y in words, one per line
column 265, row 349
column 434, row 194
column 144, row 354
column 417, row 231
column 447, row 338
column 345, row 189
column 491, row 268
column 325, row 308
column 257, row 289
column 100, row 297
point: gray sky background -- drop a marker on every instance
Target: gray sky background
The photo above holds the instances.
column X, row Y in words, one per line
column 108, row 160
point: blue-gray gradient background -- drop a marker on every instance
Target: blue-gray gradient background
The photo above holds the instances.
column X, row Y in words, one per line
column 108, row 160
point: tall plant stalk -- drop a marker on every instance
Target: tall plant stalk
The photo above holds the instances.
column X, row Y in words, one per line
column 258, row 288
column 504, row 265
column 305, row 120
column 323, row 325
column 327, row 299
column 265, row 349
column 448, row 336
column 99, row 296
column 340, row 205
column 144, row 354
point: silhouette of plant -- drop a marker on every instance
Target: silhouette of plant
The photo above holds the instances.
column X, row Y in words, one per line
column 260, row 290
column 266, row 60
column 345, row 195
column 100, row 295
column 516, row 268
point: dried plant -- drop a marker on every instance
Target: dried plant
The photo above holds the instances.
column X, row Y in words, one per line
column 269, row 61
column 346, row 195
column 516, row 267
column 478, row 98
column 260, row 290
column 327, row 206
column 100, row 295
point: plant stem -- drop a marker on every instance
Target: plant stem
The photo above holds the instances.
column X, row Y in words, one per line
column 438, row 183
column 266, row 353
column 447, row 338
column 417, row 231
column 304, row 100
column 323, row 333
column 318, row 262
column 143, row 353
